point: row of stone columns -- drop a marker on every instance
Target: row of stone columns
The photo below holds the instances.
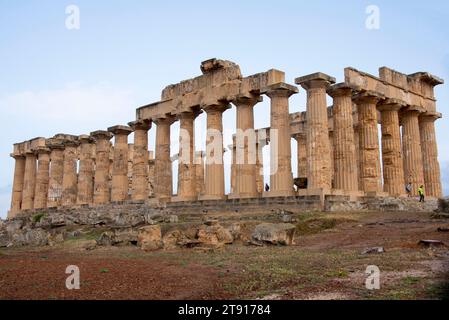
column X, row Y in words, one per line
column 47, row 176
column 410, row 157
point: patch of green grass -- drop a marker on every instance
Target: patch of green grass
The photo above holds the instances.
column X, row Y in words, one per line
column 337, row 274
column 409, row 280
column 438, row 290
column 315, row 225
column 38, row 217
column 104, row 270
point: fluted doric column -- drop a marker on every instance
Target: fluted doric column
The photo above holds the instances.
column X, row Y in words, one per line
column 70, row 177
column 56, row 172
column 319, row 175
column 42, row 178
column 431, row 166
column 411, row 146
column 369, row 174
column 186, row 159
column 29, row 182
column 281, row 176
column 214, row 180
column 345, row 170
column 102, row 150
column 120, row 181
column 139, row 188
column 163, row 183
column 85, row 193
column 17, row 186
column 393, row 168
column 246, row 152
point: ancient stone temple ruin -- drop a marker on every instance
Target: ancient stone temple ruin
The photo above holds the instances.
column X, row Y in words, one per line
column 339, row 148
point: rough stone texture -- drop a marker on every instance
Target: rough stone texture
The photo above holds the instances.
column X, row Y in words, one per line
column 69, row 178
column 101, row 185
column 140, row 168
column 163, row 184
column 443, row 205
column 370, row 179
column 42, row 178
column 431, row 166
column 214, row 235
column 318, row 146
column 393, row 169
column 186, row 160
column 245, row 168
column 214, row 173
column 85, row 193
column 56, row 174
column 119, row 180
column 345, row 173
column 411, row 144
column 17, row 187
column 150, row 238
column 281, row 178
column 272, row 233
column 29, row 182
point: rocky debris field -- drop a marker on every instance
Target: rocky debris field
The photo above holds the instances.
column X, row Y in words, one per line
column 281, row 255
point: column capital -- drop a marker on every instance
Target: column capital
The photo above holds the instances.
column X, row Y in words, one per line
column 412, row 110
column 17, row 155
column 341, row 89
column 430, row 116
column 247, row 99
column 55, row 144
column 218, row 106
column 71, row 143
column 141, row 124
column 189, row 115
column 279, row 89
column 391, row 104
column 84, row 138
column 315, row 80
column 42, row 150
column 101, row 135
column 120, row 130
column 368, row 96
column 166, row 119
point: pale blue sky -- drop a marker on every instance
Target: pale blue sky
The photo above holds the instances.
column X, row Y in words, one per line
column 76, row 81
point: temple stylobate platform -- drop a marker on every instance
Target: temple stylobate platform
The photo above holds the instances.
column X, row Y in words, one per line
column 337, row 146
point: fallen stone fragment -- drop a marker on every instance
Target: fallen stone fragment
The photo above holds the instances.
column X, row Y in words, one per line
column 150, row 238
column 90, row 245
column 431, row 243
column 443, row 229
column 274, row 233
column 373, row 250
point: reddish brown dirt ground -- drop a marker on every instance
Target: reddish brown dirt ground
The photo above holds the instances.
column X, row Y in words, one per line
column 323, row 264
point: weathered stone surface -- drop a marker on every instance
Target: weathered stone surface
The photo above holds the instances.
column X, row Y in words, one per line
column 36, row 237
column 150, row 238
column 56, row 238
column 4, row 239
column 273, row 233
column 106, row 239
column 443, row 205
column 178, row 238
column 214, row 235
